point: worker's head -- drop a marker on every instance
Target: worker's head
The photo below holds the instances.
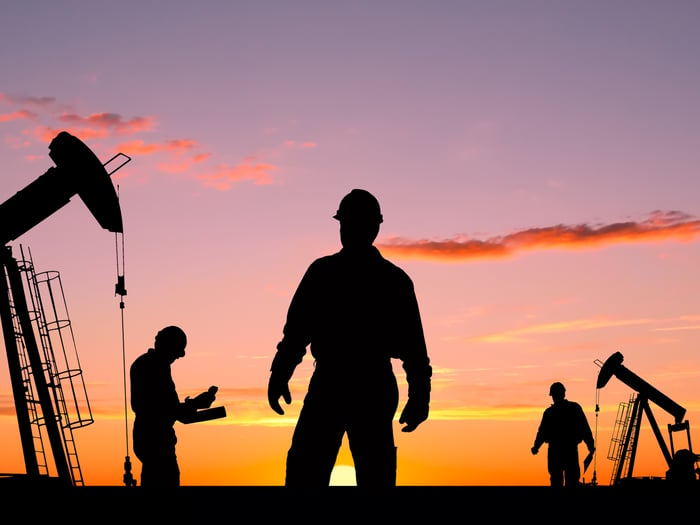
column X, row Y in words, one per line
column 171, row 340
column 557, row 391
column 360, row 216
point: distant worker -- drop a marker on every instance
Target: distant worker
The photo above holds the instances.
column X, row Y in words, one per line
column 564, row 425
column 357, row 311
column 156, row 406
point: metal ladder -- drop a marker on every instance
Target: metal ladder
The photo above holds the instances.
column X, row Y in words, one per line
column 52, row 325
column 617, row 442
column 33, row 405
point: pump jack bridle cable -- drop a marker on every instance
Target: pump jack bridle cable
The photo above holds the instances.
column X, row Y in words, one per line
column 119, row 289
column 594, row 481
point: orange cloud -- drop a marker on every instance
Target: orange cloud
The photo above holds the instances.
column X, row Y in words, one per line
column 659, row 226
column 46, row 134
column 22, row 114
column 225, row 176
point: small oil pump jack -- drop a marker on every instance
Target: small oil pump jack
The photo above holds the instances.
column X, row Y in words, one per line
column 77, row 171
column 681, row 463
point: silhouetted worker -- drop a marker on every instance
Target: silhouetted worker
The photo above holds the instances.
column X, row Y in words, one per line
column 156, row 406
column 357, row 311
column 564, row 425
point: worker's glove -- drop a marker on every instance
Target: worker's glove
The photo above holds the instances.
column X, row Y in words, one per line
column 535, row 450
column 281, row 372
column 414, row 413
column 278, row 386
column 203, row 400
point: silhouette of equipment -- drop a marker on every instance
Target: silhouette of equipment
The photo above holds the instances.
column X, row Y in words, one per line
column 681, row 464
column 38, row 397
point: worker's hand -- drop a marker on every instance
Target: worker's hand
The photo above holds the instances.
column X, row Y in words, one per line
column 203, row 400
column 535, row 450
column 277, row 388
column 414, row 413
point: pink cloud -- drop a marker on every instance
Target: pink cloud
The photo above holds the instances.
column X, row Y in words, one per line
column 175, row 156
column 249, row 170
column 139, row 147
column 21, row 114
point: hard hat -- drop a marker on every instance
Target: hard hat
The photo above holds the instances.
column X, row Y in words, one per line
column 556, row 388
column 359, row 205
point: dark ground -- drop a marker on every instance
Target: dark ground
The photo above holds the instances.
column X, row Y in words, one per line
column 643, row 501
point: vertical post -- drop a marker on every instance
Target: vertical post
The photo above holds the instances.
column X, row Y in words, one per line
column 42, row 387
column 15, row 368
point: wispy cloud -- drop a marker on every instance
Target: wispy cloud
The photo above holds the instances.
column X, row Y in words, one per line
column 170, row 156
column 658, row 226
column 223, row 177
column 109, row 121
column 25, row 100
column 21, row 114
column 520, row 335
column 139, row 147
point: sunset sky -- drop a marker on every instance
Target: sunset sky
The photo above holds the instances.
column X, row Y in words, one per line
column 536, row 164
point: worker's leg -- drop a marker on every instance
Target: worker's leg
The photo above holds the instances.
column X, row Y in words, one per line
column 572, row 469
column 371, row 436
column 315, row 444
column 555, row 467
column 160, row 469
column 374, row 454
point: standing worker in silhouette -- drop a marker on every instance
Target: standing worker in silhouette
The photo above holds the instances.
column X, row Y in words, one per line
column 564, row 425
column 357, row 311
column 157, row 406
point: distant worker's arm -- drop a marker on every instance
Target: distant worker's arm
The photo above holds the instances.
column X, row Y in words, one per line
column 587, row 432
column 540, row 438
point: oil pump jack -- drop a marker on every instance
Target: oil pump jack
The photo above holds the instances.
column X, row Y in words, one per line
column 36, row 380
column 623, row 447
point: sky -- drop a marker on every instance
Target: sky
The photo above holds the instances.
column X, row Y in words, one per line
column 536, row 164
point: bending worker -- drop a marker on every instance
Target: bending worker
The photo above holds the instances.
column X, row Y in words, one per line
column 156, row 406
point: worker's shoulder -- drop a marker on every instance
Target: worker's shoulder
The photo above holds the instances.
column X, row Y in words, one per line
column 573, row 404
column 377, row 262
column 145, row 360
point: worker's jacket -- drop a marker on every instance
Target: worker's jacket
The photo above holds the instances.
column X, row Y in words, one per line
column 356, row 311
column 563, row 425
column 154, row 400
